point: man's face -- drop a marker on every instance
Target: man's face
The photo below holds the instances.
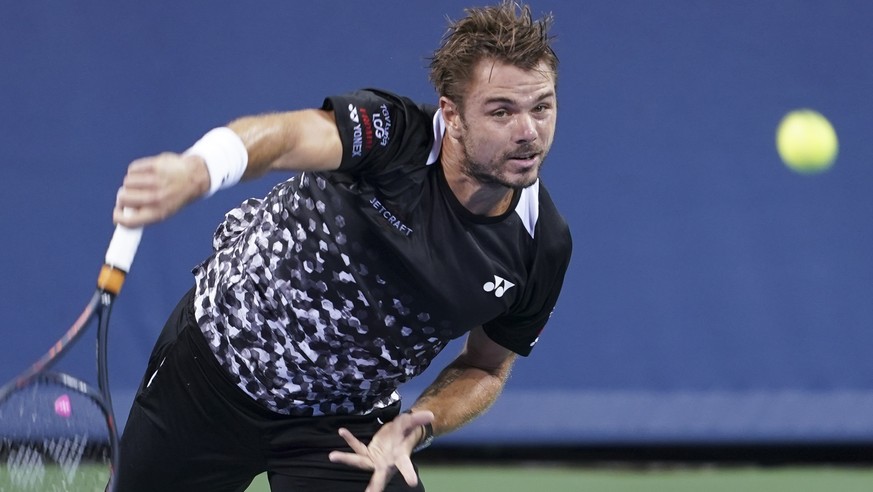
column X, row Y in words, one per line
column 508, row 123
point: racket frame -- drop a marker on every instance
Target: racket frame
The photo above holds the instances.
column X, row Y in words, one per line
column 119, row 257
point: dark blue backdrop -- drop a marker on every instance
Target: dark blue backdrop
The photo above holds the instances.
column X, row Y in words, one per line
column 714, row 295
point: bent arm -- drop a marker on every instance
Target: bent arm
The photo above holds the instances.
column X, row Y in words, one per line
column 462, row 391
column 304, row 140
column 156, row 187
column 469, row 385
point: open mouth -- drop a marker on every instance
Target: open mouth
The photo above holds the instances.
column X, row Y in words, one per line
column 525, row 159
column 524, row 153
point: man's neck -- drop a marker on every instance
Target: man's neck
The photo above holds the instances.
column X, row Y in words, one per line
column 486, row 199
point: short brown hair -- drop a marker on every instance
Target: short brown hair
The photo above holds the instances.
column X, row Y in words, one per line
column 506, row 32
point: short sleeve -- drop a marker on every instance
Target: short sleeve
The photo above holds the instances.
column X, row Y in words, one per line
column 379, row 130
column 520, row 329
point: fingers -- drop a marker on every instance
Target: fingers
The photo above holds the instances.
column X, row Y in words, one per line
column 351, row 459
column 378, row 481
column 360, row 458
column 420, row 418
column 135, row 208
column 408, row 472
column 138, row 200
column 363, row 458
column 156, row 187
column 381, row 476
column 388, row 451
column 134, row 217
column 353, row 442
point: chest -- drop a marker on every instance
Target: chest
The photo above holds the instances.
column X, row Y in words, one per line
column 423, row 250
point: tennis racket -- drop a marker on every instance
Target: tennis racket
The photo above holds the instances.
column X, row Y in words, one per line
column 57, row 432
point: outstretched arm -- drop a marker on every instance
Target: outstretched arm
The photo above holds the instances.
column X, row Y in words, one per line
column 461, row 392
column 156, row 187
column 469, row 385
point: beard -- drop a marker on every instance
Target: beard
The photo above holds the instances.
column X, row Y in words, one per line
column 493, row 172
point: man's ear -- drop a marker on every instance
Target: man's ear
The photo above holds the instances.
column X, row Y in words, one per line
column 452, row 116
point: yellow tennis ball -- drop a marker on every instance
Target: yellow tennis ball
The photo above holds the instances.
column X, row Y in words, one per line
column 806, row 141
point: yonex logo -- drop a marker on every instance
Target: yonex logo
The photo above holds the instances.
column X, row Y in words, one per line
column 499, row 286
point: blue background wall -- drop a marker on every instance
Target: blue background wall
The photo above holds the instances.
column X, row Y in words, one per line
column 714, row 295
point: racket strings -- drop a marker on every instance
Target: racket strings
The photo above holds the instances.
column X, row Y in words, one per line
column 26, row 467
column 55, row 439
column 58, row 464
column 67, row 453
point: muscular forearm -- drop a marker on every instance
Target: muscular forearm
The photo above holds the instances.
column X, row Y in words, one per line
column 302, row 140
column 462, row 392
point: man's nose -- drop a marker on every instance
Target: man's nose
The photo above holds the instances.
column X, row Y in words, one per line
column 525, row 128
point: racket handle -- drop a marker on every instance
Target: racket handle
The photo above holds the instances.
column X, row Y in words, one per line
column 119, row 258
column 123, row 246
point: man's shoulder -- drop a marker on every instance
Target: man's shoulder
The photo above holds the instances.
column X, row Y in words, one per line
column 549, row 218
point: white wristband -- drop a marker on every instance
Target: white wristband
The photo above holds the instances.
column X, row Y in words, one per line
column 225, row 155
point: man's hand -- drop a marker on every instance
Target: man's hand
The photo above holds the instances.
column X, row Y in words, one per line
column 388, row 452
column 157, row 187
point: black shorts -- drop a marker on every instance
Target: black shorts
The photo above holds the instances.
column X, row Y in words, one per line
column 191, row 429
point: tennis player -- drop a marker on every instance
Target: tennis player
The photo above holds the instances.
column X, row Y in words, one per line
column 407, row 225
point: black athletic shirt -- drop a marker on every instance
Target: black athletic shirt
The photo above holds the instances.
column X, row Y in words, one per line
column 337, row 287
